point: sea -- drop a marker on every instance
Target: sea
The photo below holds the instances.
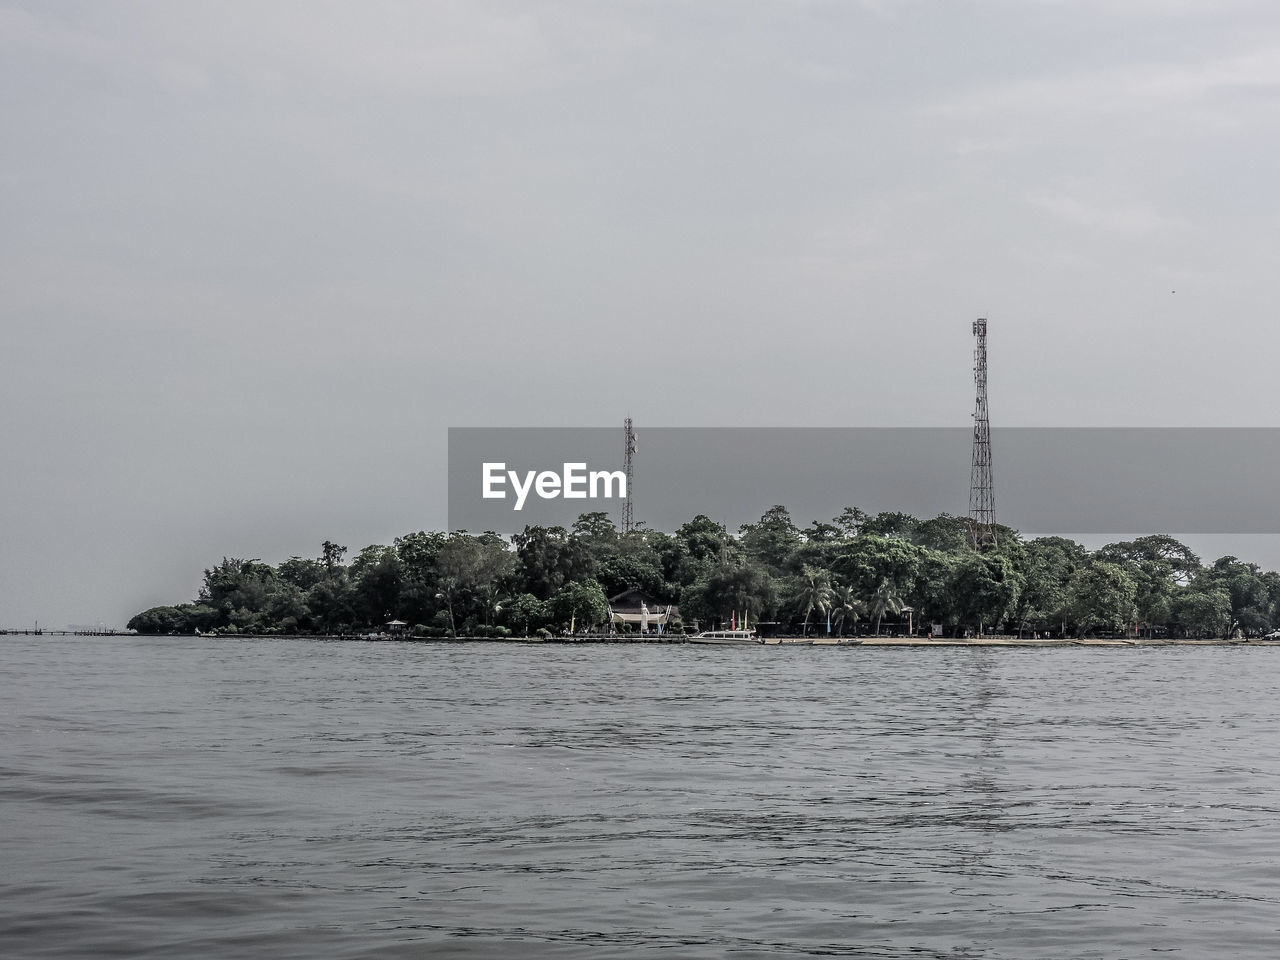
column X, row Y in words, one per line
column 282, row 798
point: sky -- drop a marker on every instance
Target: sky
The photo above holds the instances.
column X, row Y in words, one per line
column 257, row 258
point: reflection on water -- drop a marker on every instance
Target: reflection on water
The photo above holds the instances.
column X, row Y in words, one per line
column 291, row 799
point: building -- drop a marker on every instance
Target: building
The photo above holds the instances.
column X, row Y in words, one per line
column 642, row 612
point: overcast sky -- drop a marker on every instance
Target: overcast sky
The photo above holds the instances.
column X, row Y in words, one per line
column 258, row 257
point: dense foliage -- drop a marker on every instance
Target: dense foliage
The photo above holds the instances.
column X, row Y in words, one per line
column 858, row 573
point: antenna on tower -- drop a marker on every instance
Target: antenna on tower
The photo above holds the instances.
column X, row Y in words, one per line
column 982, row 495
column 629, row 449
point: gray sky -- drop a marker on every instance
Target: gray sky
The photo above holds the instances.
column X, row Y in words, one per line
column 258, row 257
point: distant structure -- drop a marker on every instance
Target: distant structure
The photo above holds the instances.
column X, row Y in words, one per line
column 629, row 449
column 982, row 494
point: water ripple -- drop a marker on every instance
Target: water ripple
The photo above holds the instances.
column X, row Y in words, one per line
column 288, row 799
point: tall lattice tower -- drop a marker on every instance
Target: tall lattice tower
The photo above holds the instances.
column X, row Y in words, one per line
column 628, row 452
column 982, row 494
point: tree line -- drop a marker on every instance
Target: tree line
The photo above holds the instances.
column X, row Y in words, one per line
column 858, row 573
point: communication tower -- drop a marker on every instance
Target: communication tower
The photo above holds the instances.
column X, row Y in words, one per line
column 982, row 496
column 629, row 449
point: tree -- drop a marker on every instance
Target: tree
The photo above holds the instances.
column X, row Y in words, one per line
column 377, row 575
column 620, row 573
column 332, row 603
column 596, row 528
column 1158, row 566
column 1102, row 595
column 331, row 556
column 419, row 555
column 891, row 524
column 846, row 608
column 580, row 602
column 1250, row 590
column 456, row 581
column 525, row 610
column 773, row 541
column 471, row 568
column 884, row 600
column 301, row 573
column 491, row 600
column 1048, row 565
column 931, row 592
column 985, row 587
column 871, row 559
column 812, row 592
column 549, row 558
column 1203, row 612
column 747, row 589
column 160, row 620
column 850, row 522
column 239, row 592
column 944, row 533
column 451, row 591
column 696, row 549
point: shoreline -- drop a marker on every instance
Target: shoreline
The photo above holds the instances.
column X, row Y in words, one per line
column 994, row 641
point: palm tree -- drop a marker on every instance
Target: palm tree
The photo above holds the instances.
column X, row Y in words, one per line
column 885, row 600
column 492, row 601
column 449, row 590
column 814, row 593
column 846, row 608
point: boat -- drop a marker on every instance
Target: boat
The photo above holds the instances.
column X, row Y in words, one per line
column 725, row 637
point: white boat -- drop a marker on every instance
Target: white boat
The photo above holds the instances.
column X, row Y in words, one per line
column 725, row 637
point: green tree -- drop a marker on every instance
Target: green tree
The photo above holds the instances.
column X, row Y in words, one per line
column 872, row 558
column 846, row 608
column 469, row 569
column 1158, row 565
column 619, row 573
column 1048, row 566
column 931, row 592
column 301, row 573
column 331, row 556
column 160, row 621
column 239, row 592
column 1250, row 590
column 850, row 522
column 747, row 589
column 985, row 588
column 527, row 610
column 597, row 530
column 891, row 524
column 377, row 576
column 944, row 533
column 884, row 600
column 332, row 603
column 580, row 603
column 773, row 541
column 1103, row 595
column 549, row 558
column 1202, row 612
column 812, row 592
